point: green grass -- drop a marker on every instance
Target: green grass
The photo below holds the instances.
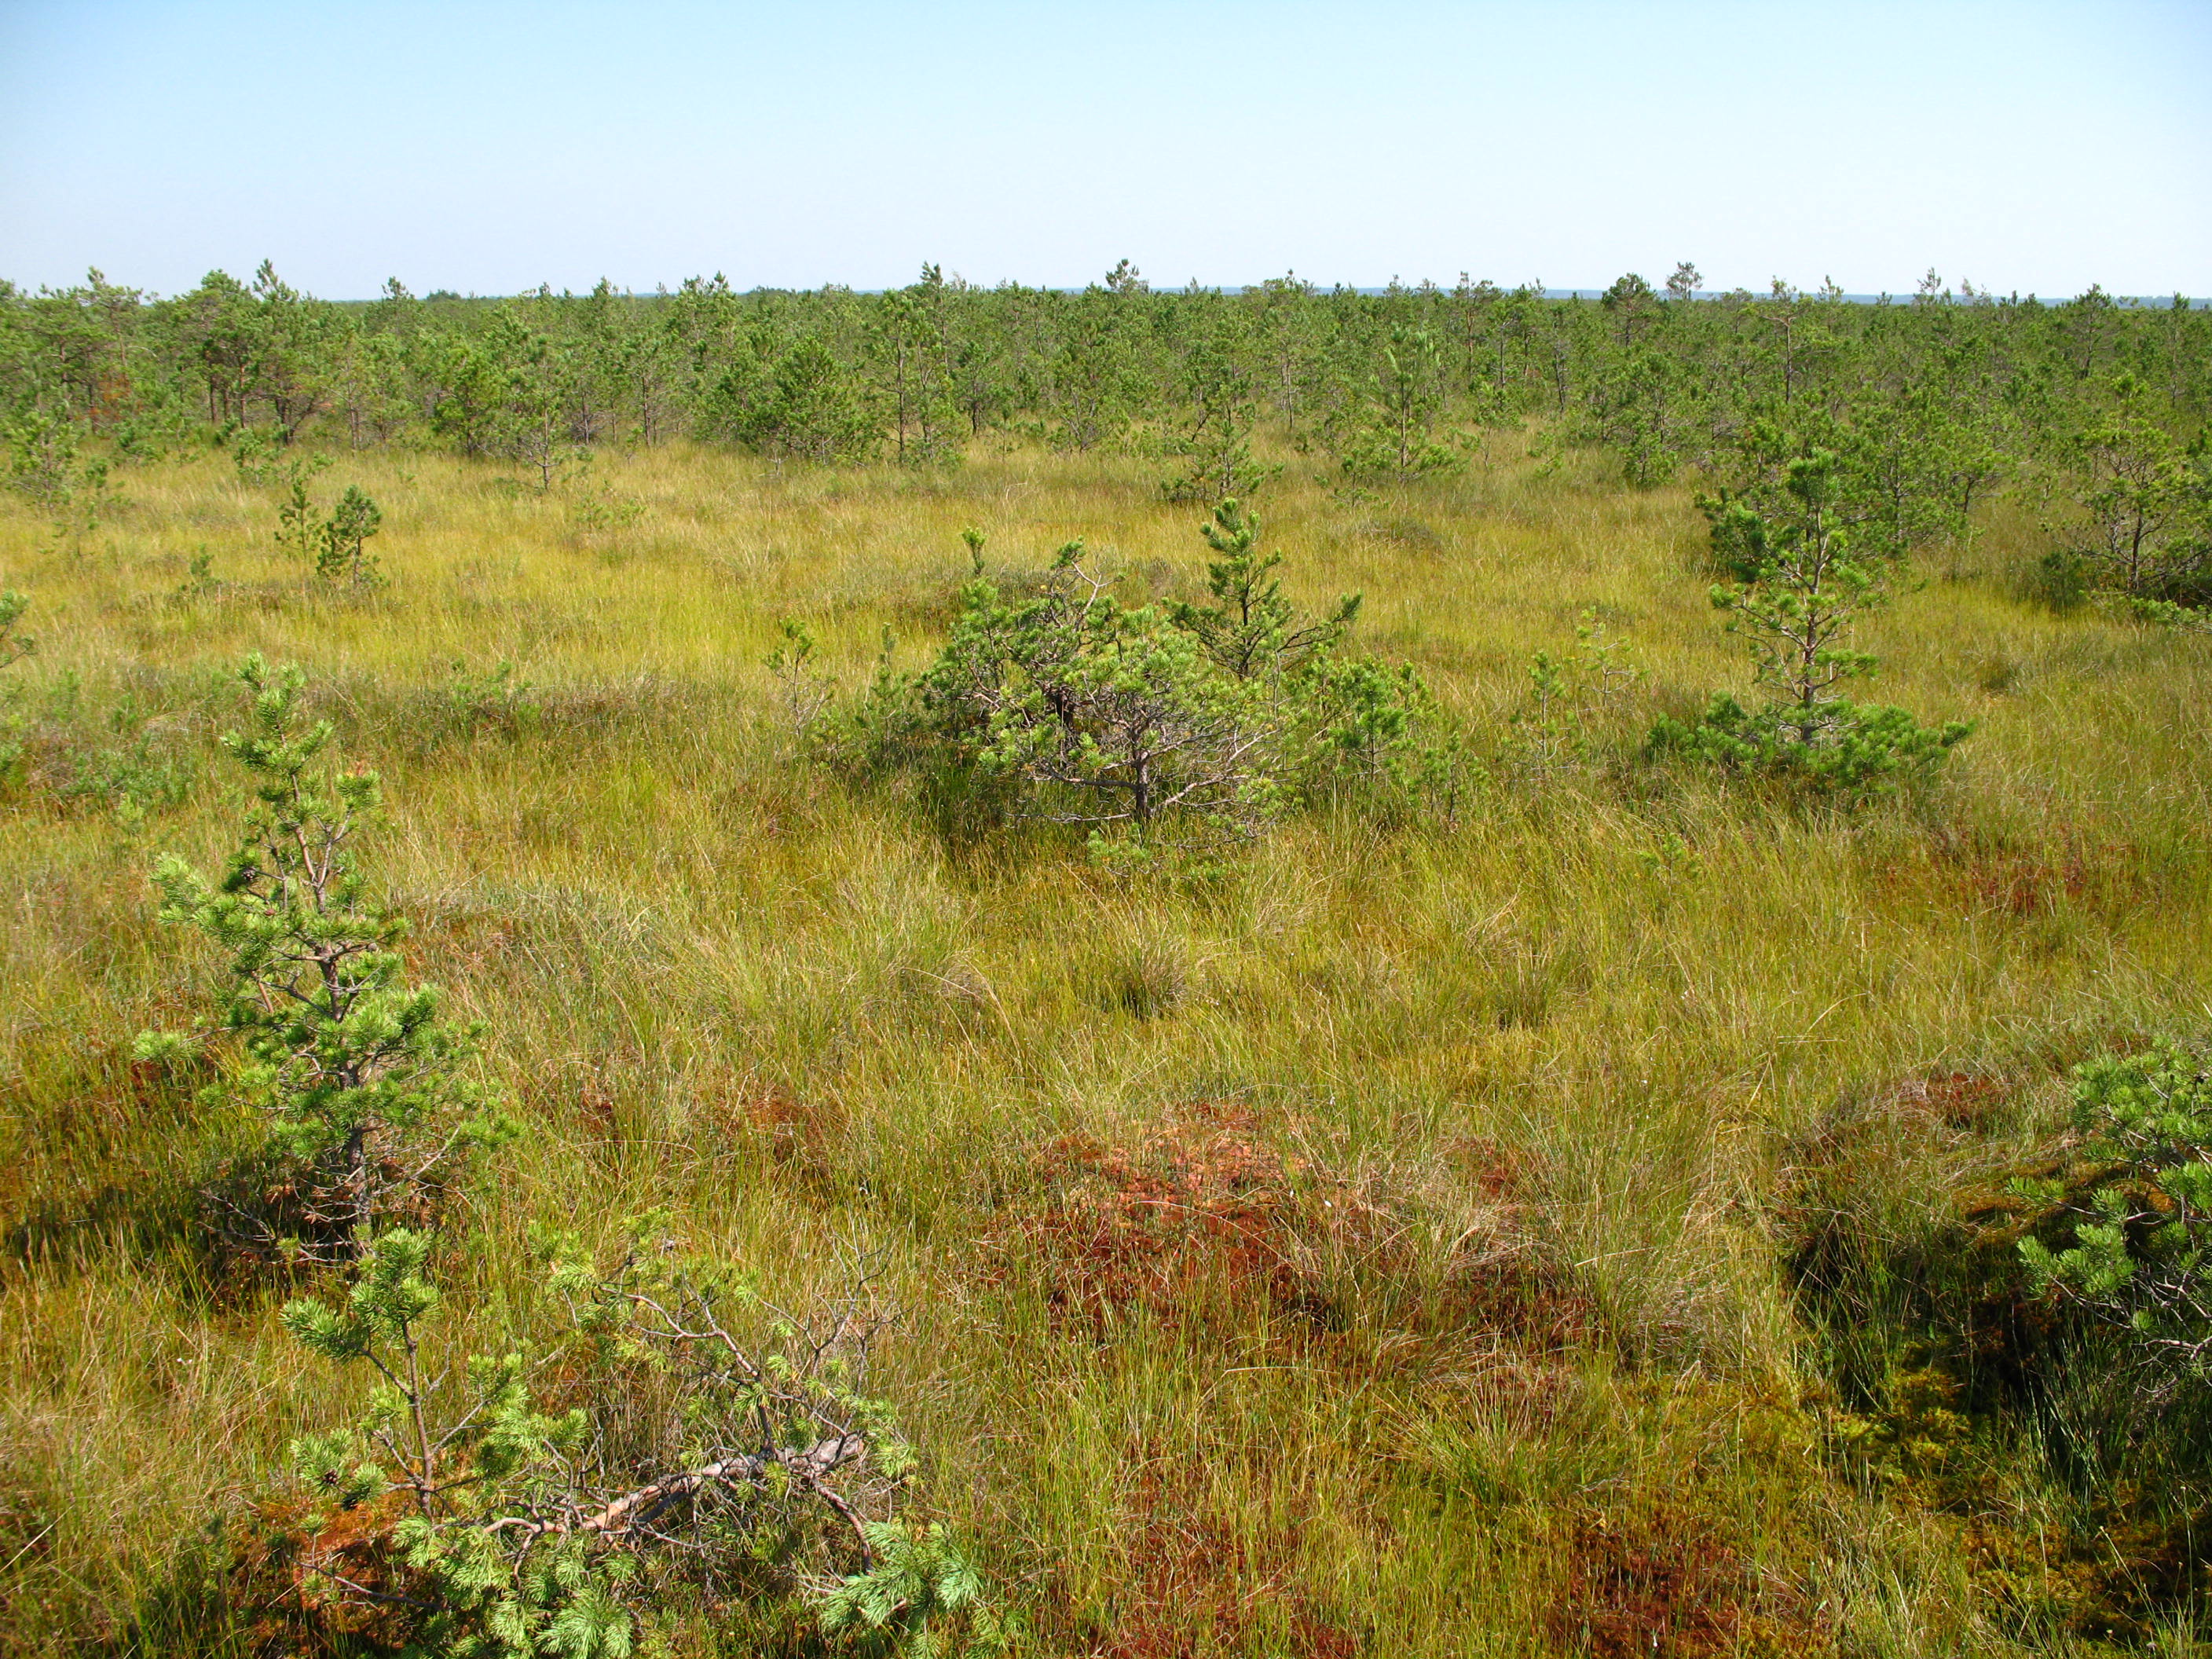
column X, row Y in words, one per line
column 1526, row 1096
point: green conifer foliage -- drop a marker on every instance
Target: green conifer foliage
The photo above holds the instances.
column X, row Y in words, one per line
column 1391, row 433
column 1251, row 629
column 1100, row 715
column 344, row 557
column 1797, row 595
column 921, row 1585
column 807, row 407
column 2125, row 1231
column 2145, row 502
column 1213, row 437
column 370, row 1113
column 914, row 362
column 1641, row 405
column 714, row 1438
column 1801, row 592
column 337, row 546
column 1064, row 706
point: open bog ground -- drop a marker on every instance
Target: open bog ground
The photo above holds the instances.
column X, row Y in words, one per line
column 1538, row 1223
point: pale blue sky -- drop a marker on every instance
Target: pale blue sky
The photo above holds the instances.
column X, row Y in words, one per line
column 2034, row 145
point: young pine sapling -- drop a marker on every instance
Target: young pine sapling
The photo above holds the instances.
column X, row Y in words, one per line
column 1251, row 630
column 1552, row 733
column 1215, row 437
column 343, row 555
column 1065, row 707
column 1100, row 716
column 2145, row 502
column 335, row 548
column 369, row 1113
column 15, row 644
column 805, row 690
column 1393, row 432
column 1801, row 597
column 1797, row 597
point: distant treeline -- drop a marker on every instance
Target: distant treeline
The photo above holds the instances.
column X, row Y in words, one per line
column 1951, row 391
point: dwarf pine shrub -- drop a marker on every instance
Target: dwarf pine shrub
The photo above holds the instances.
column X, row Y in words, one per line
column 1099, row 715
column 1861, row 748
column 1059, row 704
column 497, row 700
column 708, row 1439
column 45, row 465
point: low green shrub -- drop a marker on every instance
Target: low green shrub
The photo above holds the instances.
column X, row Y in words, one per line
column 682, row 1441
column 1858, row 750
column 2165, row 613
column 2123, row 1230
column 1184, row 722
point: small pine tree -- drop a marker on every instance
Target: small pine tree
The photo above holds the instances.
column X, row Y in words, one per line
column 1215, row 438
column 914, row 361
column 1096, row 715
column 2145, row 504
column 370, row 1116
column 1797, row 597
column 45, row 464
column 1644, row 406
column 1556, row 731
column 297, row 526
column 15, row 644
column 342, row 555
column 1362, row 731
column 1251, row 629
column 1392, row 432
column 1630, row 300
column 1064, row 707
column 805, row 689
column 1801, row 595
column 806, row 405
column 335, row 548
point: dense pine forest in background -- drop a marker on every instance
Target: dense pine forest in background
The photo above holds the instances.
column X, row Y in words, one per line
column 1934, row 403
column 1114, row 973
